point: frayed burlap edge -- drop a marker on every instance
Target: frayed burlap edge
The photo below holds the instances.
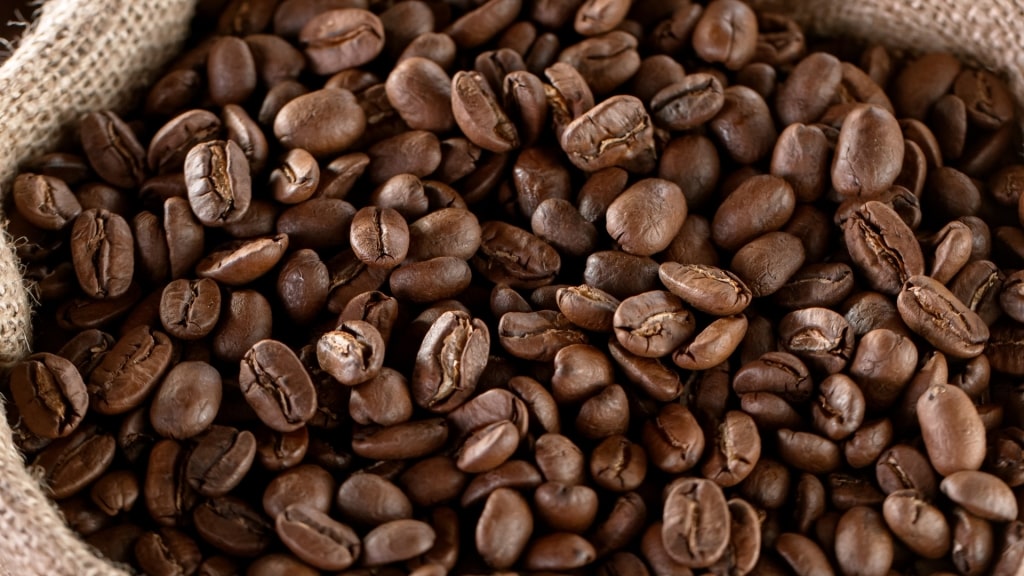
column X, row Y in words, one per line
column 79, row 56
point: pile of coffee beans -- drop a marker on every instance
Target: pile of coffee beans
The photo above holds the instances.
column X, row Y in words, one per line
column 538, row 287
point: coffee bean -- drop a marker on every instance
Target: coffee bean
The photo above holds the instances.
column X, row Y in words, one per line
column 646, row 216
column 323, row 122
column 45, row 201
column 130, row 371
column 616, row 132
column 697, row 522
column 277, row 386
column 102, row 253
column 923, row 300
column 113, row 150
column 187, row 400
column 219, row 183
column 687, row 104
column 316, row 538
column 73, row 462
column 50, row 394
column 232, row 526
column 339, row 39
column 918, row 524
column 220, row 460
column 504, row 528
column 981, row 494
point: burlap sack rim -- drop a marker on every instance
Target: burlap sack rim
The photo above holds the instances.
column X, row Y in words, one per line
column 983, row 33
column 80, row 55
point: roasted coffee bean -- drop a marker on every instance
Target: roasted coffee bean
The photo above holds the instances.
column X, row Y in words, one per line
column 953, row 432
column 933, row 312
column 277, row 386
column 323, row 122
column 190, row 309
column 232, row 526
column 113, row 150
column 353, row 354
column 818, row 336
column 220, row 460
column 129, row 371
column 168, row 551
column 317, row 539
column 50, row 394
column 706, row 288
column 882, row 247
column 616, row 132
column 918, row 524
column 981, row 494
column 646, row 217
column 776, row 372
column 219, row 182
column 697, row 522
column 187, row 400
column 478, row 114
column 102, row 253
column 401, row 441
column 712, row 345
column 368, row 499
column 504, row 528
column 45, row 201
column 736, row 448
column 653, row 324
column 766, row 263
column 172, row 142
column 73, row 462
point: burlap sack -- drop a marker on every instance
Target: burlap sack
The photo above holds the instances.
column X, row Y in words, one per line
column 92, row 54
column 80, row 55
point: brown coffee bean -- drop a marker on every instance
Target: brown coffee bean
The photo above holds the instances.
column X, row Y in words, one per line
column 802, row 554
column 353, row 354
column 653, row 324
column 232, row 526
column 712, row 345
column 726, row 33
column 102, row 253
column 323, row 122
column 45, row 201
column 504, row 528
column 618, row 465
column 766, row 263
column 368, row 499
column 444, row 377
column 112, row 148
column 559, row 551
column 220, row 461
column 820, row 337
column 616, row 132
column 922, row 300
column 187, row 400
column 130, row 371
column 737, row 448
column 981, row 494
column 411, row 439
column 646, row 216
column 918, row 524
column 953, row 432
column 697, row 522
column 75, row 461
column 50, row 394
column 706, row 288
column 734, row 225
column 744, row 125
column 335, row 40
column 277, row 386
column 478, row 114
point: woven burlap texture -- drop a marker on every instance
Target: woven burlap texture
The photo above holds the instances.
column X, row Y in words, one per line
column 92, row 54
column 79, row 56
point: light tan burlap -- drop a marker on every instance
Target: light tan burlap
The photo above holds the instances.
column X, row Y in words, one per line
column 80, row 55
column 91, row 54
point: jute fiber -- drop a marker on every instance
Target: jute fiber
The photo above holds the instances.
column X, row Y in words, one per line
column 86, row 55
column 79, row 56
